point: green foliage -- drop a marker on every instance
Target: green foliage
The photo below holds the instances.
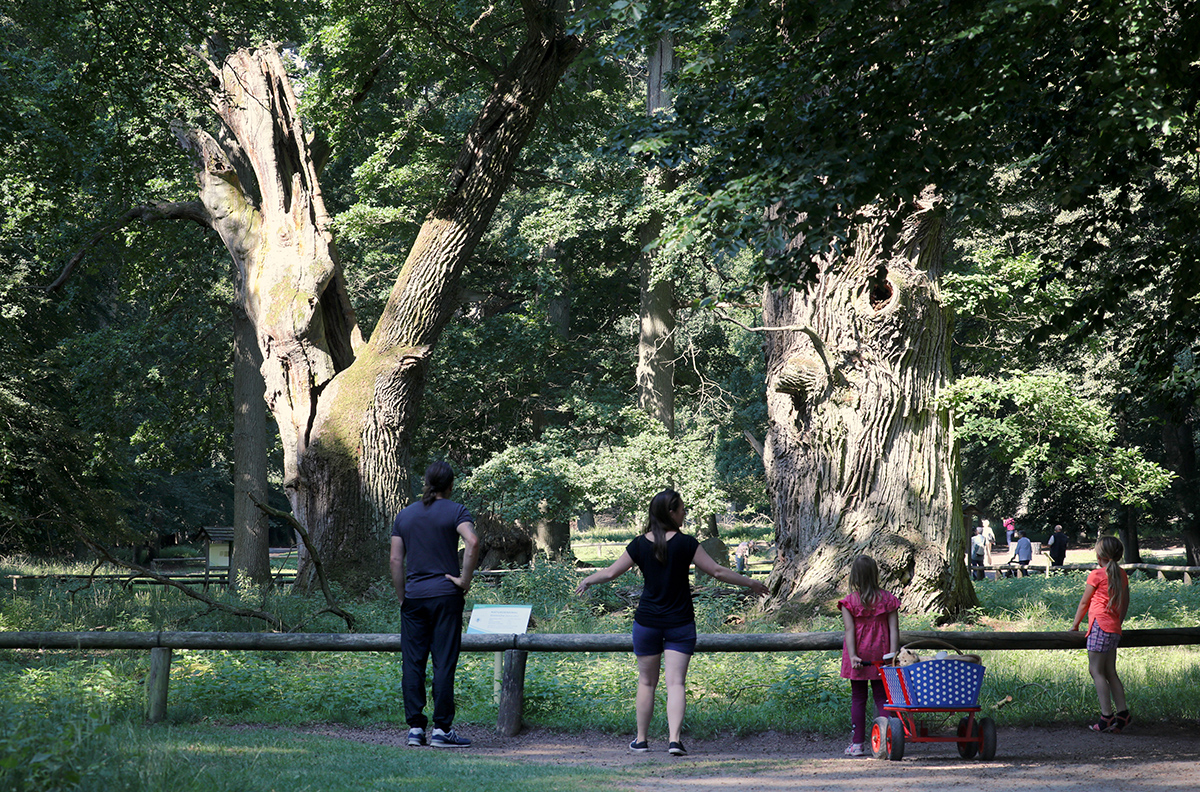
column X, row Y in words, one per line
column 625, row 476
column 120, row 404
column 46, row 483
column 57, row 729
column 772, row 107
column 557, row 478
column 526, row 483
column 1042, row 428
column 809, row 685
column 548, row 586
column 998, row 299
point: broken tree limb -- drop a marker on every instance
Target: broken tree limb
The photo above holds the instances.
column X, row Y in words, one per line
column 333, row 607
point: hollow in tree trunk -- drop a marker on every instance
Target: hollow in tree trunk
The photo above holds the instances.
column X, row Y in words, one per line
column 860, row 457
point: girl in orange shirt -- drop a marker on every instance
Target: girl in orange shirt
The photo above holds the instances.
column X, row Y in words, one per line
column 1105, row 602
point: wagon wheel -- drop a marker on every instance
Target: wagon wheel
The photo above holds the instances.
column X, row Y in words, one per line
column 968, row 738
column 895, row 739
column 987, row 739
column 879, row 731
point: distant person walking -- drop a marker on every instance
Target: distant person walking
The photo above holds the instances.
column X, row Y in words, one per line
column 432, row 588
column 978, row 550
column 871, row 619
column 1010, row 529
column 664, row 625
column 1023, row 553
column 989, row 538
column 1105, row 602
column 1056, row 546
column 740, row 556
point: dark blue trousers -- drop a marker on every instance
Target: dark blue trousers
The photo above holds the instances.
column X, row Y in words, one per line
column 430, row 626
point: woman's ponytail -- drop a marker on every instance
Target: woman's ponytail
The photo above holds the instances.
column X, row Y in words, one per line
column 659, row 521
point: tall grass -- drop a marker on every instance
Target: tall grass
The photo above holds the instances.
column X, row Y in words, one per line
column 68, row 716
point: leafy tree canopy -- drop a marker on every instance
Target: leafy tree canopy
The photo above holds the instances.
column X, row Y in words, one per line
column 822, row 108
column 1041, row 427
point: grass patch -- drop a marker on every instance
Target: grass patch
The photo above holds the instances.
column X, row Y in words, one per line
column 105, row 758
column 249, row 760
column 70, row 719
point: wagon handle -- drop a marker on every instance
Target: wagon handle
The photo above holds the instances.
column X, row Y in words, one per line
column 970, row 658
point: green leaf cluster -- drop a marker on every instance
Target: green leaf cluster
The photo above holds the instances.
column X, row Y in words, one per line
column 556, row 478
column 1039, row 426
column 56, row 732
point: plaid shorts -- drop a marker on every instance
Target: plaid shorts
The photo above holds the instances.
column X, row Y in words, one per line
column 1100, row 641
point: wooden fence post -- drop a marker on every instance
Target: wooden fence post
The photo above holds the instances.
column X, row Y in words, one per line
column 512, row 693
column 156, row 684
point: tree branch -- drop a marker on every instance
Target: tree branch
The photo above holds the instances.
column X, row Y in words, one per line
column 369, row 81
column 432, row 30
column 163, row 210
column 817, row 343
column 312, row 554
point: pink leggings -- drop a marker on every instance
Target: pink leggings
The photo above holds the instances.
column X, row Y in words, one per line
column 858, row 705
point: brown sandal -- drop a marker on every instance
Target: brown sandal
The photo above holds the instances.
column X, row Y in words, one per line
column 1104, row 724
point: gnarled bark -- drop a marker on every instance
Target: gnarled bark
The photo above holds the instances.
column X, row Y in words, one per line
column 859, row 456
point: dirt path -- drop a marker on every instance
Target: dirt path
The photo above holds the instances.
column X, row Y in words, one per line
column 1058, row 759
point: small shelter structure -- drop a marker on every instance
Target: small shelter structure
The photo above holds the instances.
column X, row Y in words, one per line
column 218, row 549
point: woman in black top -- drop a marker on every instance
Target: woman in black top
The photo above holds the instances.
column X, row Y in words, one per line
column 664, row 625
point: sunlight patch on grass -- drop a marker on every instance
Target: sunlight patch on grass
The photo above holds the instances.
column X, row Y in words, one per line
column 254, row 760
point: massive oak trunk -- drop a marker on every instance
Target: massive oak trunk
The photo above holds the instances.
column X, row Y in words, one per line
column 859, row 457
column 345, row 409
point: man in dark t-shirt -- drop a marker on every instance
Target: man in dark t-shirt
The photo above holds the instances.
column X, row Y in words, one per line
column 1057, row 546
column 431, row 589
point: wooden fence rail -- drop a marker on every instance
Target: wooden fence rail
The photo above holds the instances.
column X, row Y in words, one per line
column 189, row 578
column 1160, row 571
column 515, row 649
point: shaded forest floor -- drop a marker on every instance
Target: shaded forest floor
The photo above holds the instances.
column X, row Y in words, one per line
column 1148, row 756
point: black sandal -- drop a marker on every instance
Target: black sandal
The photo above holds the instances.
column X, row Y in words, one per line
column 1104, row 724
column 1120, row 721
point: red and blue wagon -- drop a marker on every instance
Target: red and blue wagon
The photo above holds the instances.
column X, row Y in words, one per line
column 922, row 700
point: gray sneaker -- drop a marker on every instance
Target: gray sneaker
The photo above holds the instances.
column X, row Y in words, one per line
column 416, row 737
column 448, row 739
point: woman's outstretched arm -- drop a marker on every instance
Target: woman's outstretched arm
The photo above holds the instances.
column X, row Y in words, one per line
column 705, row 563
column 618, row 568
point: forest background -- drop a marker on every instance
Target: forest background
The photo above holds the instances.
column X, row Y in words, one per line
column 1069, row 188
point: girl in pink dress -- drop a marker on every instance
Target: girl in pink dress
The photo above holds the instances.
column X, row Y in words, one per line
column 872, row 623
